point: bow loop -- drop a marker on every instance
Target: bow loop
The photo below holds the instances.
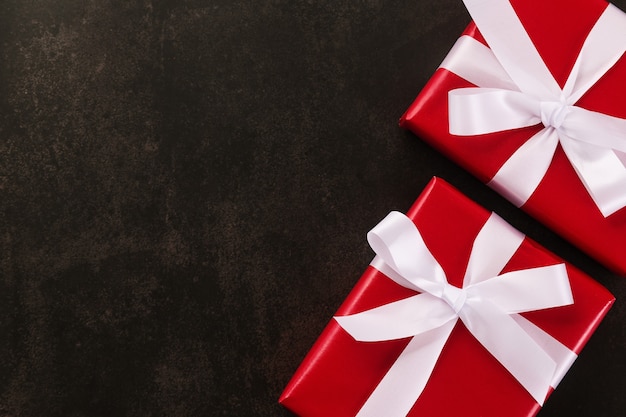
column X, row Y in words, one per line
column 399, row 244
column 476, row 111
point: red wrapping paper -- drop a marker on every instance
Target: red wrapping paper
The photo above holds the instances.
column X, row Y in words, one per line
column 561, row 202
column 338, row 374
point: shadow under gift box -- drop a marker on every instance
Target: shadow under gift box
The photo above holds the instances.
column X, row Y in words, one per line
column 558, row 29
column 339, row 374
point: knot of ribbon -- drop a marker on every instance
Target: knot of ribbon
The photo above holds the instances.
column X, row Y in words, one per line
column 553, row 113
column 516, row 89
column 487, row 305
column 455, row 297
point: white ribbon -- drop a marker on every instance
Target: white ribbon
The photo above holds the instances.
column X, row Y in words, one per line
column 516, row 89
column 487, row 305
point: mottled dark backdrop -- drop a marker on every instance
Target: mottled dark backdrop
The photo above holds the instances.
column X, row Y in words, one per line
column 185, row 189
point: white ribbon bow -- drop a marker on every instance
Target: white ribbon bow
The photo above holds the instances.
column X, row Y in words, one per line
column 516, row 89
column 487, row 304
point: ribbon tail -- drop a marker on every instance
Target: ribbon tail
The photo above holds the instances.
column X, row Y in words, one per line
column 404, row 318
column 520, row 175
column 407, row 377
column 508, row 344
column 601, row 172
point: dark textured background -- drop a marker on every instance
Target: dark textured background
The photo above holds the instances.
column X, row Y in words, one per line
column 185, row 189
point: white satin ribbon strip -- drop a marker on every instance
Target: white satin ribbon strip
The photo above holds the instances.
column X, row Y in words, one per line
column 494, row 246
column 483, row 69
column 562, row 356
column 517, row 90
column 487, row 305
column 532, row 159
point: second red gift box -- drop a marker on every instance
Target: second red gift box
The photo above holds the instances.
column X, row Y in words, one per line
column 458, row 314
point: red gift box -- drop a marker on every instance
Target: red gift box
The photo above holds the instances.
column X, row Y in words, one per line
column 558, row 29
column 339, row 373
